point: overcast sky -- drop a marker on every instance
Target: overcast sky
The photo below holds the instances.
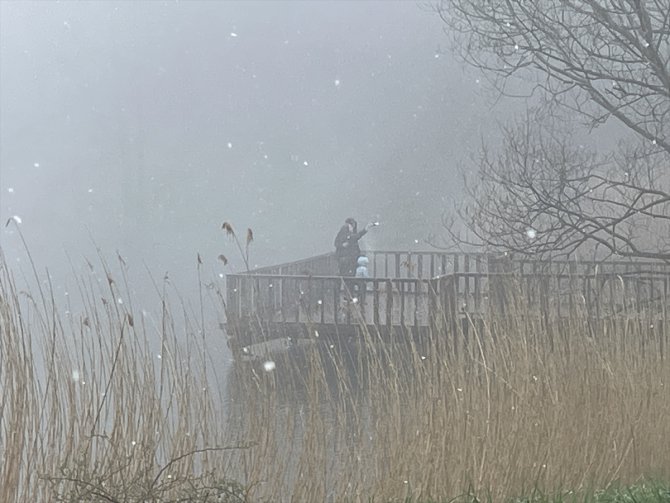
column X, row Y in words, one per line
column 142, row 126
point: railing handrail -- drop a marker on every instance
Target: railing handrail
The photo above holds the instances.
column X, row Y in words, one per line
column 460, row 274
column 499, row 258
column 569, row 274
column 287, row 264
column 321, row 277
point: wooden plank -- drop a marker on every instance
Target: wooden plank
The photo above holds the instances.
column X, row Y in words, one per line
column 270, row 299
column 531, row 285
column 638, row 295
column 375, row 302
column 389, row 303
column 417, row 296
column 665, row 300
column 571, row 299
column 337, row 287
column 298, row 299
column 433, row 298
column 255, row 299
column 612, row 289
column 322, row 301
column 478, row 284
column 466, row 286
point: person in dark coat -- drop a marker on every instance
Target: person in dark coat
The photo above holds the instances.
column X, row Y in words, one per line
column 347, row 249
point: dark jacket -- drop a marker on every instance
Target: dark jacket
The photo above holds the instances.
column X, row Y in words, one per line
column 346, row 242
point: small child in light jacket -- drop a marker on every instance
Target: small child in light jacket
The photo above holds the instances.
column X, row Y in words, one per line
column 362, row 269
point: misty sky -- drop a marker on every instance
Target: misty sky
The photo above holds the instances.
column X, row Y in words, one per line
column 142, row 126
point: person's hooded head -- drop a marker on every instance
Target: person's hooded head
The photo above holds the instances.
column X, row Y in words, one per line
column 351, row 223
column 363, row 261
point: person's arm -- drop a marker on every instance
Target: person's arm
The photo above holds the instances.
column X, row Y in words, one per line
column 359, row 234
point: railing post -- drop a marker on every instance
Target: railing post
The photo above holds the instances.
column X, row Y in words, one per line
column 417, row 291
column 389, row 304
column 401, row 290
column 375, row 302
column 337, row 288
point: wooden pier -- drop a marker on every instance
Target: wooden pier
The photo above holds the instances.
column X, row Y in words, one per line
column 414, row 292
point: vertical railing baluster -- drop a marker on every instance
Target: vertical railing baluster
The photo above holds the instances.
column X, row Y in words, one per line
column 337, row 287
column 417, row 296
column 466, row 286
column 478, row 285
column 322, row 301
column 389, row 304
column 375, row 301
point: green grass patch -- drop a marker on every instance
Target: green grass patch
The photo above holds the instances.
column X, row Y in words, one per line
column 647, row 492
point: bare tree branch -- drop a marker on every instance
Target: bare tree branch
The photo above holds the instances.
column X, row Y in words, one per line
column 595, row 60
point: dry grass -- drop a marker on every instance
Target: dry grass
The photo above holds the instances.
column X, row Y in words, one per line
column 88, row 412
column 102, row 405
column 519, row 405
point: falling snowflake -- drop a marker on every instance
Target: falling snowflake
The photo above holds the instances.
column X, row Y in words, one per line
column 230, row 145
column 531, row 233
column 269, row 366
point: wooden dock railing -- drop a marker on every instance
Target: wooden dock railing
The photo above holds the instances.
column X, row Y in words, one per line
column 388, row 264
column 415, row 289
column 330, row 300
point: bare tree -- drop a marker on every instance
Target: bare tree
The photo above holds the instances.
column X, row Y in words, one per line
column 544, row 192
column 595, row 60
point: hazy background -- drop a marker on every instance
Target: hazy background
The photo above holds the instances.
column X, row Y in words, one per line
column 142, row 126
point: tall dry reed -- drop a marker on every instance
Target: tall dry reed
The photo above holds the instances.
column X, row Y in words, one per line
column 101, row 403
column 106, row 402
column 503, row 407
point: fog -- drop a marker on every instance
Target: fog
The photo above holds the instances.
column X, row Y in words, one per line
column 142, row 126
